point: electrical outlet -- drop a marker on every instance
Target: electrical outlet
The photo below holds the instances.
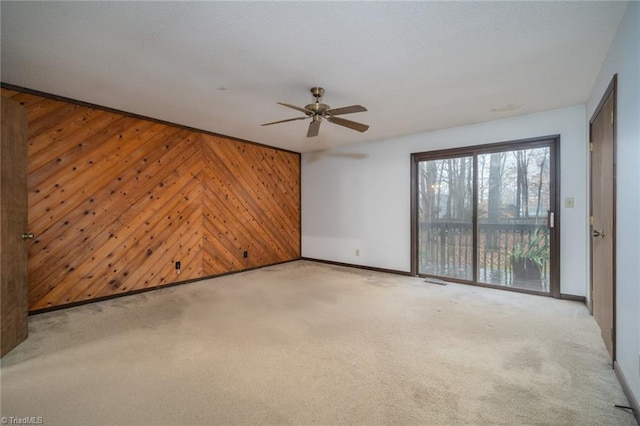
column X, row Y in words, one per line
column 357, row 252
column 245, row 254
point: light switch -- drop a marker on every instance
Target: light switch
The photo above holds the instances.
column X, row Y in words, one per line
column 569, row 202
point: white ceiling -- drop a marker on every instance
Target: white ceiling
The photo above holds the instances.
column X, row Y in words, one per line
column 221, row 66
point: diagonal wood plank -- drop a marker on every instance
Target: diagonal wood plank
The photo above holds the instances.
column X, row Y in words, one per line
column 116, row 200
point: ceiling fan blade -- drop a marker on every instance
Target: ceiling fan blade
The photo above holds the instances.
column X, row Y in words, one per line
column 348, row 123
column 346, row 110
column 306, row 111
column 284, row 121
column 314, row 128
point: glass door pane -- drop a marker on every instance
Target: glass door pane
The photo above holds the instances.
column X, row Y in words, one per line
column 513, row 200
column 445, row 217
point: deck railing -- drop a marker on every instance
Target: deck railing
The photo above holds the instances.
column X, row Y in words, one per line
column 446, row 249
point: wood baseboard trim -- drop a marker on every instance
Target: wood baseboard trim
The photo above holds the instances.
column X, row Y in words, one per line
column 627, row 391
column 573, row 297
column 408, row 274
column 350, row 265
column 329, row 262
column 144, row 290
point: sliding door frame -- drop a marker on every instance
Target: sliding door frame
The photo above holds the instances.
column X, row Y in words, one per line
column 553, row 142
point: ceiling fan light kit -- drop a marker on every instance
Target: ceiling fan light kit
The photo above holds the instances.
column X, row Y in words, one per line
column 317, row 111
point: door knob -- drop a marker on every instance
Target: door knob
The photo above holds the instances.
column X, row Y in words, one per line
column 28, row 236
column 595, row 233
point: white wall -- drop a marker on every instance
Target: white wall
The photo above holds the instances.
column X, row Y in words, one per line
column 623, row 58
column 358, row 197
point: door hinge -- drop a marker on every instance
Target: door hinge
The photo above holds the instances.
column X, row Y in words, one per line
column 591, row 146
column 591, row 220
column 611, row 117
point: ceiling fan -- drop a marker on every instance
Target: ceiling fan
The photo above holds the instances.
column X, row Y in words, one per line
column 317, row 111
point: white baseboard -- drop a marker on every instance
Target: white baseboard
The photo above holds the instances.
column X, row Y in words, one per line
column 627, row 391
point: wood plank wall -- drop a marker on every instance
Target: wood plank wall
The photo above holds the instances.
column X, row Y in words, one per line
column 115, row 201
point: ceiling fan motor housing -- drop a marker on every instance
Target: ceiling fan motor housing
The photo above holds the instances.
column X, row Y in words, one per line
column 317, row 108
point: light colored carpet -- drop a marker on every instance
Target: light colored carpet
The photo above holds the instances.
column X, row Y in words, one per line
column 307, row 343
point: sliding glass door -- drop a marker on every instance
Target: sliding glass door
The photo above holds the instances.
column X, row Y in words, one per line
column 513, row 208
column 486, row 215
column 446, row 212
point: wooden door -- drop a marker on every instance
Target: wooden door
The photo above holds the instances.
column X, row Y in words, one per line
column 13, row 200
column 602, row 131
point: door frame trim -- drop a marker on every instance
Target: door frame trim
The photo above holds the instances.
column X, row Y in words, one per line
column 612, row 90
